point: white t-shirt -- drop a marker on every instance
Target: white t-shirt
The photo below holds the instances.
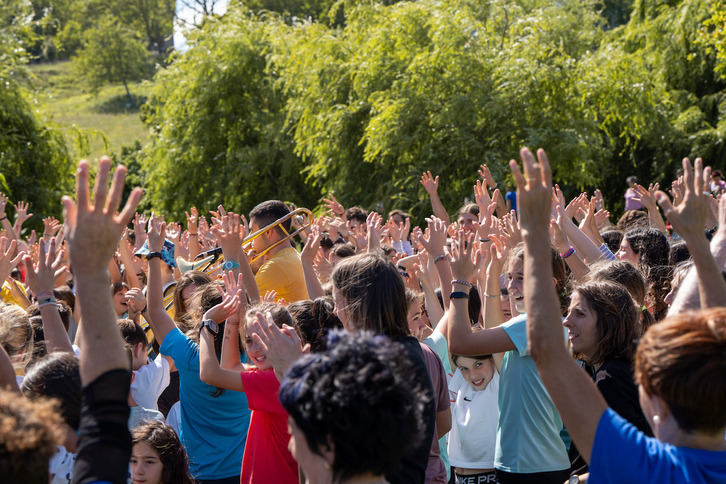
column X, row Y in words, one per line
column 149, row 382
column 474, row 418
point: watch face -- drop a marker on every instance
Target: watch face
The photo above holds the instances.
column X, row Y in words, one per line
column 213, row 327
column 574, row 480
column 227, row 266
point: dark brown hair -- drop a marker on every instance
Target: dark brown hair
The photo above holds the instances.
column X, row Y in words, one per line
column 374, row 292
column 28, row 438
column 631, row 278
column 617, row 322
column 172, row 455
column 683, row 361
column 187, row 279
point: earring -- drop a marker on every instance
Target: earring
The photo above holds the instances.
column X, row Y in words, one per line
column 327, row 466
column 656, row 419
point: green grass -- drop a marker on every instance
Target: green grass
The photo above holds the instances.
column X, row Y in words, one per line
column 107, row 120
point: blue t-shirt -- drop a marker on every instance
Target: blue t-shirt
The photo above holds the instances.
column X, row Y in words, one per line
column 528, row 434
column 512, row 197
column 645, row 459
column 213, row 429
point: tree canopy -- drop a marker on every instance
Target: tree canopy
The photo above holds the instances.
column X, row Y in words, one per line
column 261, row 107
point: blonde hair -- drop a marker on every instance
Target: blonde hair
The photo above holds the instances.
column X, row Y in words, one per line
column 16, row 334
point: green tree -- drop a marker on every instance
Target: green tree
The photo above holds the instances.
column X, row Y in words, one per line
column 112, row 54
column 34, row 163
column 219, row 123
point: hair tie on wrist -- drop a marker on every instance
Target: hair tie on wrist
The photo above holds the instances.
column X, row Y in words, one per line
column 568, row 253
column 466, row 283
column 490, row 296
column 485, row 239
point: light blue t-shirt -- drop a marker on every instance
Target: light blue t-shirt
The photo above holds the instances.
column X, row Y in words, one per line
column 622, row 454
column 213, row 429
column 437, row 342
column 528, row 434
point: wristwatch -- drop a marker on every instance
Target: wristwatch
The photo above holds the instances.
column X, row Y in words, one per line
column 151, row 255
column 210, row 325
column 574, row 480
column 229, row 265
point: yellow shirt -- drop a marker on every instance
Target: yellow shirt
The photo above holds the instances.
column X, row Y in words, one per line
column 7, row 295
column 283, row 274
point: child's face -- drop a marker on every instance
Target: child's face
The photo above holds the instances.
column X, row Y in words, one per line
column 255, row 351
column 515, row 276
column 146, row 466
column 478, row 373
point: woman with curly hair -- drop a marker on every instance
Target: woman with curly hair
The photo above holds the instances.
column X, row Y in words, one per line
column 648, row 250
column 157, row 456
column 354, row 409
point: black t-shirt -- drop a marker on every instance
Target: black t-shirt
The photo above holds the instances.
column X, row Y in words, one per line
column 414, row 463
column 616, row 383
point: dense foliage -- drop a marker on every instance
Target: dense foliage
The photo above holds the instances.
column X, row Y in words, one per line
column 263, row 107
column 34, row 163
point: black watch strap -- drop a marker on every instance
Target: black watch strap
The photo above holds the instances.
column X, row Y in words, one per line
column 209, row 324
column 151, row 255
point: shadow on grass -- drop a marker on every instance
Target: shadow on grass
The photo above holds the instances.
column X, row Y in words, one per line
column 121, row 104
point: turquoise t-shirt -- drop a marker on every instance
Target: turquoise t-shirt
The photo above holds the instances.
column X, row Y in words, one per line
column 213, row 429
column 528, row 434
column 437, row 342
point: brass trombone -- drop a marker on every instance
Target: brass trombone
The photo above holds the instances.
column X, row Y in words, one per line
column 304, row 218
column 210, row 261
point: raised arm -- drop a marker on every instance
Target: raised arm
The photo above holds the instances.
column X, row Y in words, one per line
column 647, row 198
column 160, row 321
column 688, row 219
column 41, row 278
column 307, row 256
column 431, row 185
column 462, row 341
column 573, row 392
column 210, row 372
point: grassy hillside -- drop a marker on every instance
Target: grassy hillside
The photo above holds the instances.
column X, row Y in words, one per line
column 106, row 121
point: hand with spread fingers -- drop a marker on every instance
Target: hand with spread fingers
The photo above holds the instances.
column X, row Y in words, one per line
column 281, row 346
column 689, row 217
column 534, row 192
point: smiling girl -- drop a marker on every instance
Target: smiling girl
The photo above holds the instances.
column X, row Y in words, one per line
column 474, row 419
column 157, row 456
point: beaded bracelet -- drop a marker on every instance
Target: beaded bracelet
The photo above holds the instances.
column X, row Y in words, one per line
column 439, row 258
column 568, row 253
column 466, row 283
column 490, row 296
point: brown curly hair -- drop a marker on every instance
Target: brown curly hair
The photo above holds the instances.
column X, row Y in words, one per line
column 29, row 434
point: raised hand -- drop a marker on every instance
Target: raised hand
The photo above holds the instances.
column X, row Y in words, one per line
column 140, row 221
column 157, row 233
column 135, row 302
column 7, row 262
column 51, row 226
column 333, row 205
column 646, row 197
column 225, row 309
column 282, row 347
column 462, row 264
column 173, row 231
column 270, row 296
column 226, row 230
column 395, row 230
column 430, row 184
column 534, row 192
column 373, row 225
column 487, row 176
column 192, row 220
column 435, row 239
column 688, row 218
column 3, row 204
column 22, row 211
column 42, row 276
column 94, row 227
column 312, row 246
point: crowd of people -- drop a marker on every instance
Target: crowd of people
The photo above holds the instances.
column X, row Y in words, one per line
column 528, row 339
